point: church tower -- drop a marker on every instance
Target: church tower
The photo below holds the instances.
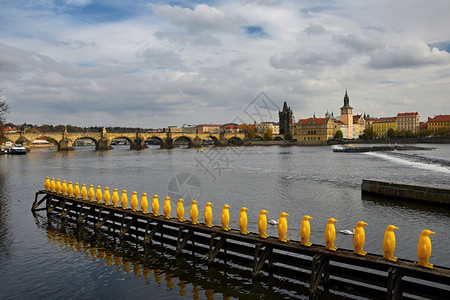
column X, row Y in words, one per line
column 347, row 115
column 286, row 120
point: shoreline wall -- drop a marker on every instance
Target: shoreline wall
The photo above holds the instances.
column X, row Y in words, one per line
column 409, row 192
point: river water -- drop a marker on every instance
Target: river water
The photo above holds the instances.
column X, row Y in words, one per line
column 42, row 258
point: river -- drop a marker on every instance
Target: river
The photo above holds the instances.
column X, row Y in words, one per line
column 52, row 260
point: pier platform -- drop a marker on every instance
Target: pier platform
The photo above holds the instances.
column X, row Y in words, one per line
column 341, row 271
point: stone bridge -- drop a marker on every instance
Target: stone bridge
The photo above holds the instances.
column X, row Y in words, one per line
column 65, row 140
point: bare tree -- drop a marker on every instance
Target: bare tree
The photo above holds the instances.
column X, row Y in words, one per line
column 4, row 108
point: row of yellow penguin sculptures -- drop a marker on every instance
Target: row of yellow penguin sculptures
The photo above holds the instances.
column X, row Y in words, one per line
column 423, row 248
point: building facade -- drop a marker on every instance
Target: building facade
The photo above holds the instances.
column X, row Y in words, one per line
column 438, row 123
column 408, row 121
column 314, row 131
column 381, row 126
column 263, row 126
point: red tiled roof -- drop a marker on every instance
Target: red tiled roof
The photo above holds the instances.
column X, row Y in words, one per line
column 318, row 121
column 407, row 114
column 439, row 118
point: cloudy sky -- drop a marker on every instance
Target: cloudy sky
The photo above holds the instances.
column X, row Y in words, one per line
column 157, row 63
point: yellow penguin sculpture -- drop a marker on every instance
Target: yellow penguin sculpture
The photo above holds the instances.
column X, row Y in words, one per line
column 124, row 199
column 115, row 198
column 98, row 194
column 262, row 224
column 283, row 227
column 180, row 210
column 47, row 184
column 134, row 201
column 155, row 205
column 70, row 189
column 330, row 234
column 194, row 212
column 107, row 196
column 424, row 249
column 76, row 190
column 359, row 238
column 208, row 215
column 389, row 243
column 225, row 217
column 167, row 208
column 144, row 203
column 64, row 188
column 84, row 191
column 305, row 231
column 58, row 186
column 52, row 185
column 91, row 193
column 243, row 221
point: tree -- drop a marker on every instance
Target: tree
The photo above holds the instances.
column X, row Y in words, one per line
column 369, row 134
column 391, row 133
column 268, row 135
column 4, row 108
column 249, row 130
column 338, row 135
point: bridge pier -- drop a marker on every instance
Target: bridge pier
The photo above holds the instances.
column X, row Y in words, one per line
column 138, row 144
column 196, row 142
column 65, row 145
column 167, row 144
column 103, row 144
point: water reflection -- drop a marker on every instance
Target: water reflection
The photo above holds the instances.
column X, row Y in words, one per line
column 187, row 276
column 4, row 229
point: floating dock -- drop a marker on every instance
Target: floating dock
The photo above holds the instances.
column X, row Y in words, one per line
column 341, row 271
column 408, row 192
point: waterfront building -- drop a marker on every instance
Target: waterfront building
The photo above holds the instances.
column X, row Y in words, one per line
column 230, row 128
column 264, row 126
column 439, row 122
column 359, row 124
column 286, row 117
column 408, row 121
column 189, row 128
column 314, row 131
column 175, row 129
column 381, row 126
column 347, row 117
column 208, row 128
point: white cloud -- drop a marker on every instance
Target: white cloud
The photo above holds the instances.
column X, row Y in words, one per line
column 153, row 65
column 409, row 56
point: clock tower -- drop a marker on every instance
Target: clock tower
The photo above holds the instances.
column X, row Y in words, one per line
column 347, row 115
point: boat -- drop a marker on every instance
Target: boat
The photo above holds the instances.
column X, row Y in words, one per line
column 16, row 149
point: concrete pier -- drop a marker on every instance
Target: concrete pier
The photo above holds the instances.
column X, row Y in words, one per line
column 408, row 192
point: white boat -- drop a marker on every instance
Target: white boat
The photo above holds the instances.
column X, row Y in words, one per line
column 13, row 149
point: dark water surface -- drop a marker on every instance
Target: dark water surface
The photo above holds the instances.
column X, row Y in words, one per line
column 42, row 258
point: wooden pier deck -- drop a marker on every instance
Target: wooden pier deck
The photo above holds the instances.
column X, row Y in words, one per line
column 343, row 271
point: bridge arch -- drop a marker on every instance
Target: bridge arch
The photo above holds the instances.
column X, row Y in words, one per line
column 184, row 138
column 215, row 140
column 74, row 142
column 155, row 138
column 235, row 140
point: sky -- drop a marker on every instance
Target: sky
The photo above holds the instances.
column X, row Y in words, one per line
column 152, row 64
